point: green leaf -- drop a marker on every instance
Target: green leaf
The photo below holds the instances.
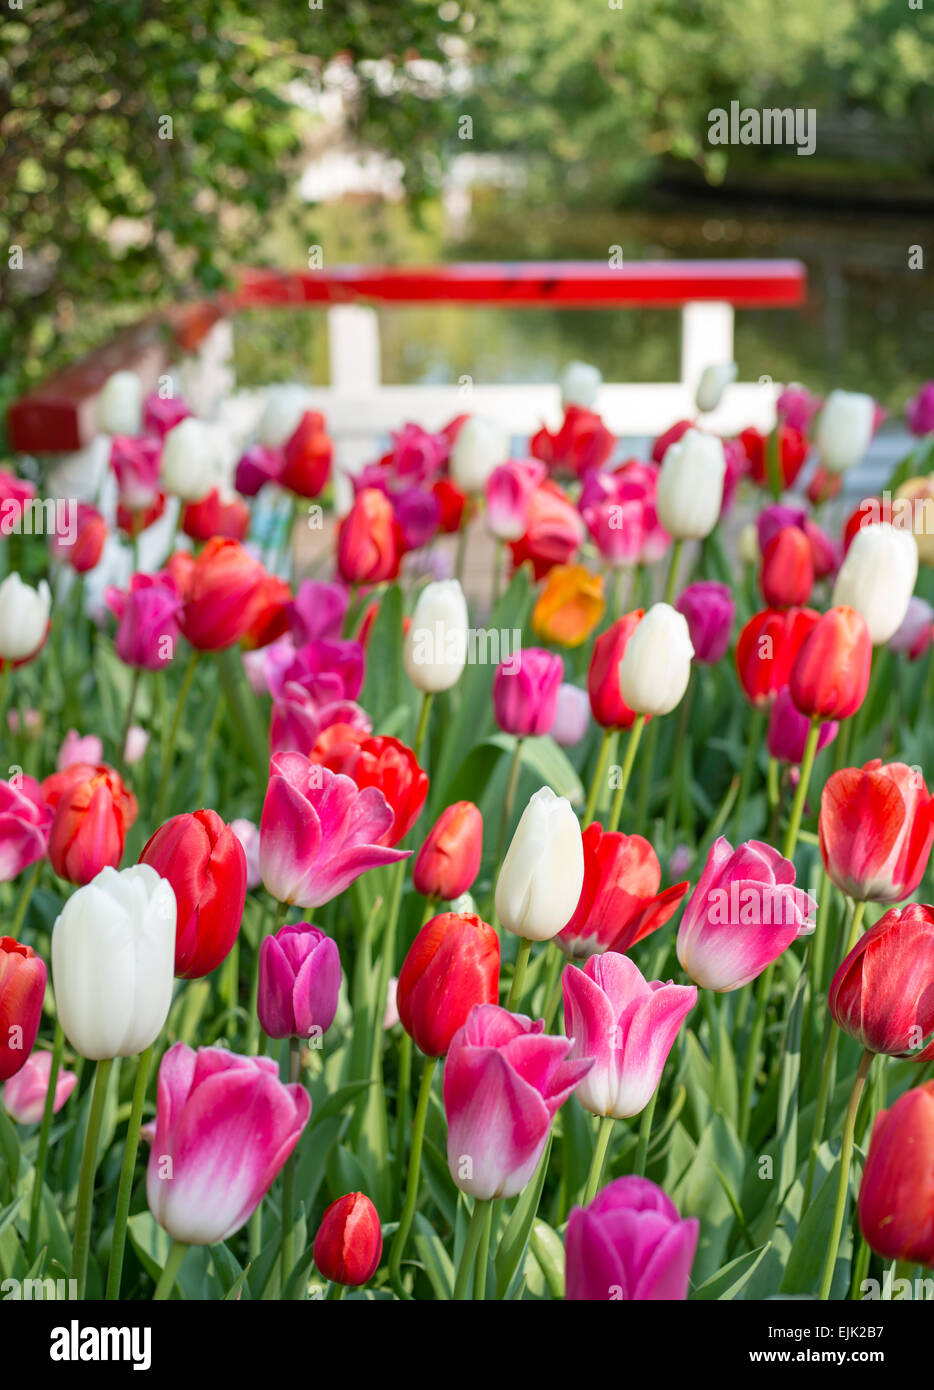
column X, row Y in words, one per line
column 385, row 687
column 809, row 1250
column 515, row 1237
column 729, row 1282
column 434, row 1257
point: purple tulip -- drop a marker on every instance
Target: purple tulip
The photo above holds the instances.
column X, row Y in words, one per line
column 629, row 1244
column 299, row 982
column 317, row 611
column 709, row 610
column 418, row 515
column 256, row 467
column 775, row 518
column 326, row 669
column 525, row 691
column 788, row 730
column 147, row 621
column 919, row 412
column 572, row 716
column 24, row 1094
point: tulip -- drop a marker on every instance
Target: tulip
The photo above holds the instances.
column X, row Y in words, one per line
column 327, row 670
column 919, row 412
column 509, row 489
column 917, row 628
column 349, row 1243
column 297, row 722
column 479, row 447
column 606, row 701
column 504, row 1081
column 619, row 903
column 569, row 607
column 690, row 486
column 830, row 674
column 525, row 692
column 553, row 532
column 582, row 443
column 876, row 828
column 449, row 859
column 213, row 515
column 147, row 621
column 248, row 835
column 787, row 575
column 713, row 382
column 299, row 982
column 119, row 404
column 307, row 454
column 113, row 952
column 744, row 912
column 25, row 821
column 883, row 992
column 629, row 1243
column 619, row 511
column 626, row 1025
column 656, row 665
column 24, row 1094
column 83, row 549
column 797, row 407
column 24, row 619
column 540, row 881
column 844, row 429
column 379, row 762
column 93, row 812
column 135, row 463
column 877, row 578
column 896, row 1194
column 225, row 1125
column 204, row 862
column 319, row 831
column 913, row 509
column 317, row 611
column 788, row 730
column 22, row 990
column 257, row 467
column 189, row 460
column 709, row 610
column 76, row 749
column 580, row 385
column 435, row 651
column 282, row 414
column 224, row 595
column 163, row 413
column 369, row 542
column 572, row 716
column 452, row 965
column 785, row 447
column 766, row 649
column 134, row 749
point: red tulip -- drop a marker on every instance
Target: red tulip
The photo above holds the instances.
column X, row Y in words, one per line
column 451, row 503
column 792, row 451
column 271, row 613
column 93, row 812
column 204, row 862
column 369, row 541
column 452, row 964
column 377, row 761
column 449, row 860
column 223, row 596
column 830, row 674
column 22, row 990
column 607, row 705
column 214, row 517
column 883, row 993
column 787, row 575
column 896, row 1195
column 82, row 550
column 766, row 649
column 307, row 457
column 876, row 828
column 349, row 1242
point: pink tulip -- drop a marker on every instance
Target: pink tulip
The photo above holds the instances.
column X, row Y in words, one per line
column 797, row 407
column 299, row 982
column 627, row 1025
column 317, row 611
column 163, row 413
column 25, row 822
column 919, row 412
column 914, row 636
column 619, row 511
column 137, row 741
column 504, row 1081
column 525, row 691
column 572, row 716
column 248, row 835
column 76, row 749
column 327, row 670
column 744, row 912
column 24, row 1094
column 788, row 730
column 256, row 467
column 508, row 493
column 319, row 831
column 629, row 1244
column 147, row 620
column 136, row 464
column 225, row 1125
column 265, row 667
column 297, row 722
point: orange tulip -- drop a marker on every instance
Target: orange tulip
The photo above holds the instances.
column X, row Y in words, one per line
column 569, row 606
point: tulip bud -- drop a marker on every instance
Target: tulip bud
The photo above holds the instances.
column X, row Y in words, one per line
column 766, row 649
column 580, row 385
column 24, row 1094
column 76, row 749
column 569, row 607
column 24, row 618
column 369, row 542
column 435, row 651
column 525, row 691
column 787, row 575
column 844, row 429
column 883, row 992
column 480, row 445
column 572, row 716
column 914, row 636
column 349, row 1242
column 509, row 490
column 896, row 1194
column 709, row 610
column 748, row 544
column 120, row 404
column 713, row 382
column 449, row 860
column 452, row 964
column 877, row 578
column 876, row 828
column 147, row 620
column 113, row 961
column 830, row 674
column 629, row 1243
column 93, row 812
column 690, row 486
column 189, row 459
column 542, row 875
column 788, row 730
column 248, row 834
column 606, row 701
column 299, row 982
column 22, row 990
column 282, row 413
column 224, row 596
column 656, row 665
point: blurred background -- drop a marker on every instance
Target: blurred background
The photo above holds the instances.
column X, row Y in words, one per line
column 147, row 149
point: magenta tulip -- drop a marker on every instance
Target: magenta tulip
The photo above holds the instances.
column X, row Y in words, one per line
column 297, row 722
column 24, row 1094
column 788, row 730
column 317, row 611
column 709, row 610
column 629, row 1244
column 25, row 822
column 525, row 691
column 504, row 1081
column 627, row 1025
column 147, row 620
column 225, row 1125
column 299, row 982
column 509, row 490
column 319, row 831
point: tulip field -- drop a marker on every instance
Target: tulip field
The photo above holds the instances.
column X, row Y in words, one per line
column 381, row 922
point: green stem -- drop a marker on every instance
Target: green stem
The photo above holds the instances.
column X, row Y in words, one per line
column 518, row 977
column 82, row 1240
column 599, row 775
column 24, row 899
column 168, row 1276
column 127, row 720
column 801, row 791
column 511, row 786
column 763, row 993
column 632, row 744
column 244, row 711
column 843, row 1183
column 478, row 1219
column 483, row 1254
column 422, row 723
column 749, row 763
column 168, row 752
column 595, row 1176
column 553, row 985
column 411, row 1187
column 125, row 1189
column 288, row 1173
column 38, row 1178
column 645, row 1133
column 672, row 582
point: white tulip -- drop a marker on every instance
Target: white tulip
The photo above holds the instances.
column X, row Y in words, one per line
column 285, row 406
column 748, row 544
column 877, row 578
column 24, row 617
column 580, row 384
column 113, row 962
column 190, row 465
column 844, row 429
column 435, row 651
column 539, row 885
column 120, row 405
column 690, row 486
column 714, row 381
column 480, row 445
column 656, row 665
